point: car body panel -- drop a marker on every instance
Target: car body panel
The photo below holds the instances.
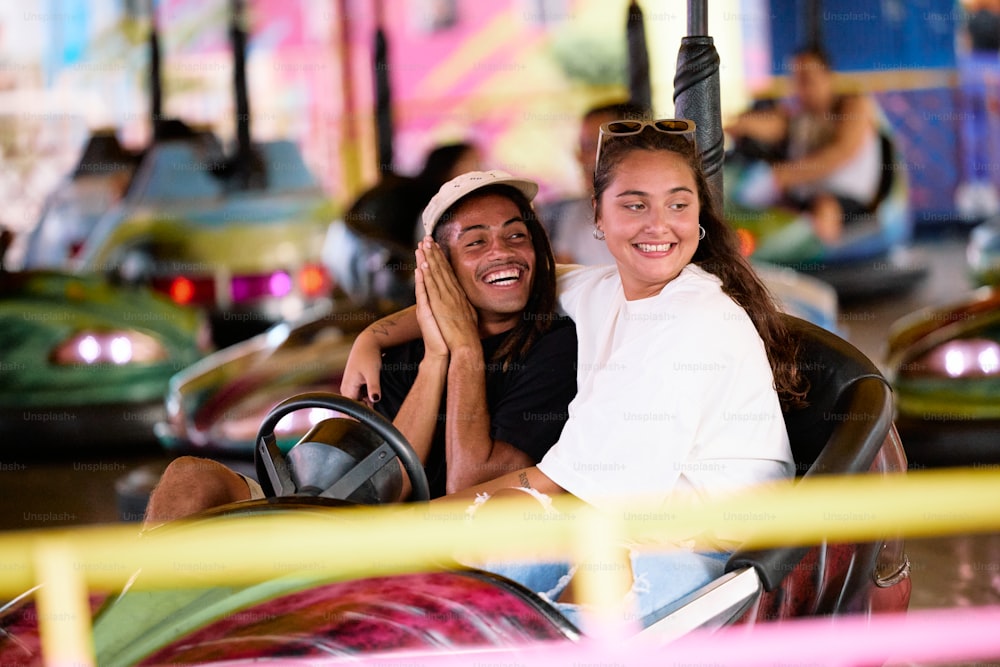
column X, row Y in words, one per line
column 215, row 406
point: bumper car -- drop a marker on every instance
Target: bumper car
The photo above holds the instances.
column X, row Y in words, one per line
column 247, row 257
column 872, row 258
column 82, row 354
column 944, row 363
column 237, row 235
column 846, row 429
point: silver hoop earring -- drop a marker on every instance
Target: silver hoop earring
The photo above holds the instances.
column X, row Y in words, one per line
column 701, row 232
column 598, row 233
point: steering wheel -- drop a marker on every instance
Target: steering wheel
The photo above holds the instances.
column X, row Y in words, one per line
column 273, row 471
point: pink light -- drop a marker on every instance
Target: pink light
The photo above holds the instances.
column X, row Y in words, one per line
column 280, row 283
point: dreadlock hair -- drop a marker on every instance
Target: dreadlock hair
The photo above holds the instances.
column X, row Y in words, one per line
column 540, row 311
column 719, row 254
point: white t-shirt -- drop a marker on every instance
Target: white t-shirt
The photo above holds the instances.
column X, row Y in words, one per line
column 674, row 393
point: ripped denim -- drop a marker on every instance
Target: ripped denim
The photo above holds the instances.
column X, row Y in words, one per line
column 659, row 577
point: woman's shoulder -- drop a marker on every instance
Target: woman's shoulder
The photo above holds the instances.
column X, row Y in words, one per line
column 697, row 296
column 695, row 282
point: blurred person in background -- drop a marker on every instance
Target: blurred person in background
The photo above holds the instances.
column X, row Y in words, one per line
column 570, row 221
column 370, row 252
column 978, row 57
column 830, row 163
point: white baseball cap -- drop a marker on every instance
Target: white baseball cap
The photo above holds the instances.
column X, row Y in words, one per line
column 467, row 183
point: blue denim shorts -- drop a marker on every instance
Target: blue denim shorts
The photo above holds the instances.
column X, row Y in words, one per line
column 659, row 578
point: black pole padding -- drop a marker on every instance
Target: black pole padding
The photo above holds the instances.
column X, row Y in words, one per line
column 383, row 104
column 697, row 97
column 155, row 75
column 640, row 88
column 246, row 168
column 238, row 37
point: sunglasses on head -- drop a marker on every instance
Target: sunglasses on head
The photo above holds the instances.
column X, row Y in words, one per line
column 622, row 128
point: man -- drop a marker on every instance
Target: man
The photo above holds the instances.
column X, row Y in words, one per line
column 571, row 221
column 832, row 165
column 486, row 389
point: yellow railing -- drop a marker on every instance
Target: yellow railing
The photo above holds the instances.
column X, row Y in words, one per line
column 371, row 541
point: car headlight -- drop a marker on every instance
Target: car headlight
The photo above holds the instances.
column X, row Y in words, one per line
column 109, row 347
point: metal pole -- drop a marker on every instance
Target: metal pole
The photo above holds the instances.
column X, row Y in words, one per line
column 155, row 75
column 383, row 96
column 697, row 95
column 247, row 173
column 350, row 145
column 640, row 88
column 697, row 21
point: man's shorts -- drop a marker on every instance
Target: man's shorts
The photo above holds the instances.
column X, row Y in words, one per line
column 255, row 491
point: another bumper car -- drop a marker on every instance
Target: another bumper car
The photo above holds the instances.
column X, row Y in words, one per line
column 248, row 257
column 944, row 363
column 846, row 429
column 87, row 362
column 237, row 235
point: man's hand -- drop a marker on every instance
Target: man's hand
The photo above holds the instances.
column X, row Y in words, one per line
column 455, row 316
column 434, row 342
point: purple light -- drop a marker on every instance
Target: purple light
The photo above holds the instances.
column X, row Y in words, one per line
column 242, row 288
column 248, row 288
column 280, row 283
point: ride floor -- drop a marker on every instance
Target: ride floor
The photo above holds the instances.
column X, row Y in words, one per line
column 956, row 571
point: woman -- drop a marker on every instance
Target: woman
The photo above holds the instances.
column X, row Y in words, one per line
column 682, row 360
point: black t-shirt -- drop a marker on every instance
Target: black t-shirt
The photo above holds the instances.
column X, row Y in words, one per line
column 527, row 403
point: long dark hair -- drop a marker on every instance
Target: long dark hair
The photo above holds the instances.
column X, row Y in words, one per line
column 539, row 312
column 719, row 254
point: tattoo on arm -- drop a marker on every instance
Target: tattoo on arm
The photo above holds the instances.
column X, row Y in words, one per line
column 381, row 328
column 523, row 478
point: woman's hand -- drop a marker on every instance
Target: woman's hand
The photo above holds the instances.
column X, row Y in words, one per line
column 456, row 318
column 361, row 375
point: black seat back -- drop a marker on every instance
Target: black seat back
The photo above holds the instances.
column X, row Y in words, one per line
column 849, row 410
column 846, row 422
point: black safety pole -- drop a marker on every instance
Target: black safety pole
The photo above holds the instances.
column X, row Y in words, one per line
column 155, row 76
column 697, row 95
column 640, row 89
column 383, row 97
column 238, row 39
